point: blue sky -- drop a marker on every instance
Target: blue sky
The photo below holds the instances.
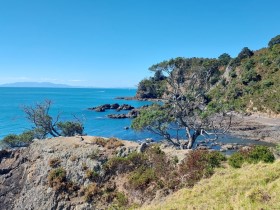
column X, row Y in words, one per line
column 110, row 43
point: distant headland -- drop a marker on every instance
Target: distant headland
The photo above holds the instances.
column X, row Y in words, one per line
column 36, row 85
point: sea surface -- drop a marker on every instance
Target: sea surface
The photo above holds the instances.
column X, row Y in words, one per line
column 70, row 102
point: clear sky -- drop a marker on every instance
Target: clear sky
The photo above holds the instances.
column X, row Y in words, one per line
column 112, row 43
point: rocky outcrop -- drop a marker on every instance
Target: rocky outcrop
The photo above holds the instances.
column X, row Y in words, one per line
column 115, row 106
column 132, row 114
column 25, row 174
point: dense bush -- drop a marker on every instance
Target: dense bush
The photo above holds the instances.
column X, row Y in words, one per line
column 21, row 140
column 70, row 128
column 251, row 155
column 142, row 177
column 199, row 164
column 245, row 53
column 224, row 59
column 250, row 76
column 274, row 40
column 124, row 164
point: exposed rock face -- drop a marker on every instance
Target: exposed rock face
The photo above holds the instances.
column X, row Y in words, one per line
column 25, row 173
column 12, row 176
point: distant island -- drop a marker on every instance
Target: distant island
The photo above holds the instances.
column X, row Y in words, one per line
column 36, row 84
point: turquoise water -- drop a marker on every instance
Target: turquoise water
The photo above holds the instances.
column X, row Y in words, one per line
column 76, row 101
column 69, row 101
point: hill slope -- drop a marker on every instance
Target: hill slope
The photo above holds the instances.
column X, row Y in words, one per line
column 250, row 82
column 251, row 187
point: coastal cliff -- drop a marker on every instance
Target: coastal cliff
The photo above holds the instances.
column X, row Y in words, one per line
column 70, row 173
column 84, row 172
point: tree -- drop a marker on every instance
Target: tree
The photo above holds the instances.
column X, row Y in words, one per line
column 158, row 76
column 274, row 40
column 186, row 107
column 245, row 53
column 224, row 59
column 44, row 124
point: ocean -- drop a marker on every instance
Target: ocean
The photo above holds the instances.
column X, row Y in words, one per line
column 70, row 102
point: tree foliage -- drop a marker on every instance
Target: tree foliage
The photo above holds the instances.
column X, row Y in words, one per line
column 245, row 53
column 275, row 40
column 21, row 140
column 44, row 124
column 224, row 59
column 186, row 102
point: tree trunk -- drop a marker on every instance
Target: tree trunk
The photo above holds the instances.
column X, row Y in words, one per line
column 192, row 138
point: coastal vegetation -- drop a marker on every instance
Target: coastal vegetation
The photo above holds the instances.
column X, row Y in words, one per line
column 198, row 96
column 254, row 186
column 43, row 125
column 248, row 83
column 89, row 173
column 186, row 106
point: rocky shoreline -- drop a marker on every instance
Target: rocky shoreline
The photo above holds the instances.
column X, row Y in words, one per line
column 256, row 127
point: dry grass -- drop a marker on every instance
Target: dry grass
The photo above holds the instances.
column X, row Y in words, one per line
column 255, row 186
column 111, row 143
column 54, row 162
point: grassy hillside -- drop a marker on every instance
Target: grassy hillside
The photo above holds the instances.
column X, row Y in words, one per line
column 254, row 186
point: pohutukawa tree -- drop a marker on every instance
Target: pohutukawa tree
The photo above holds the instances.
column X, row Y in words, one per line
column 44, row 124
column 186, row 105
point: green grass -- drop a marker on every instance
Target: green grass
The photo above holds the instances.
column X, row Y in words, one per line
column 254, row 186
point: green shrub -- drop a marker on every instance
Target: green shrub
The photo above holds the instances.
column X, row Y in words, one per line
column 57, row 178
column 275, row 40
column 233, row 74
column 261, row 153
column 215, row 158
column 249, row 76
column 70, row 128
column 252, row 155
column 124, row 164
column 140, row 178
column 121, row 199
column 267, row 83
column 236, row 160
column 21, row 140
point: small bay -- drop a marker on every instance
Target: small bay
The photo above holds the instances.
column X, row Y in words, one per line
column 70, row 102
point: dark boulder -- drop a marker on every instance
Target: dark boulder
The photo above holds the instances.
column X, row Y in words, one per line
column 117, row 116
column 132, row 114
column 114, row 106
column 125, row 107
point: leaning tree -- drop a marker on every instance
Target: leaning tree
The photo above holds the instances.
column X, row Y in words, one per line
column 187, row 105
column 44, row 124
